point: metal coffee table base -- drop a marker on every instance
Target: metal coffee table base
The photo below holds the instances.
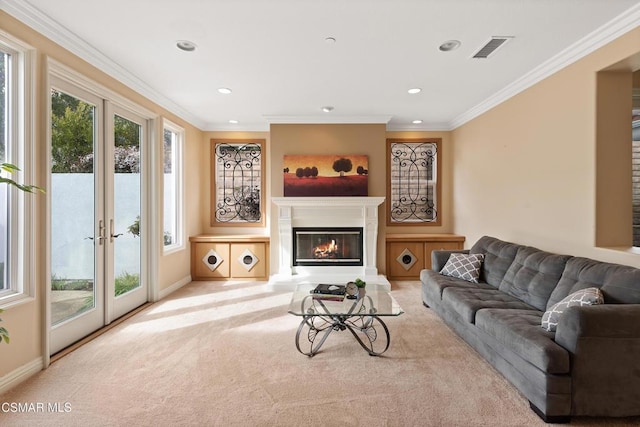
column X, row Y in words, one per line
column 368, row 329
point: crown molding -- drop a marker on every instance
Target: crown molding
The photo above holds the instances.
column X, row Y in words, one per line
column 244, row 127
column 328, row 118
column 428, row 127
column 610, row 31
column 53, row 30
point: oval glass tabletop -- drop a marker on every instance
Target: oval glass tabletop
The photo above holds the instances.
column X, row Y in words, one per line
column 372, row 299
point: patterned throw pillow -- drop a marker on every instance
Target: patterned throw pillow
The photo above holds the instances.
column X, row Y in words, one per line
column 588, row 296
column 463, row 266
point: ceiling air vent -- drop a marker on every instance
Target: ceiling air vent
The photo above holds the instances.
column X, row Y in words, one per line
column 491, row 46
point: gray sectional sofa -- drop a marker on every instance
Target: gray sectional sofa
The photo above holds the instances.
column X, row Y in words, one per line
column 589, row 366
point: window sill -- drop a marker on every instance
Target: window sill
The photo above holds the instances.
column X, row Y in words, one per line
column 168, row 250
column 14, row 299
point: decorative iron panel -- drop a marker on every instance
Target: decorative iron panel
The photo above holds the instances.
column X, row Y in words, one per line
column 413, row 190
column 238, row 178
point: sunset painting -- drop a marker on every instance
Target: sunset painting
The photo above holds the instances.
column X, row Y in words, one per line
column 325, row 175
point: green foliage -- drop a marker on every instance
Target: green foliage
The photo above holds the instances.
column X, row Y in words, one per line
column 126, row 282
column 360, row 283
column 168, row 239
column 135, row 227
column 9, row 168
column 4, row 334
column 62, row 284
column 72, row 137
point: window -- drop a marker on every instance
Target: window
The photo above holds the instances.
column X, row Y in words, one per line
column 237, row 182
column 414, row 189
column 16, row 223
column 173, row 194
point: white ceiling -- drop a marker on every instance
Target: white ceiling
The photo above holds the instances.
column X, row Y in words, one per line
column 273, row 53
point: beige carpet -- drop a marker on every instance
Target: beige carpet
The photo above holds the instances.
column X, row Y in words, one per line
column 223, row 354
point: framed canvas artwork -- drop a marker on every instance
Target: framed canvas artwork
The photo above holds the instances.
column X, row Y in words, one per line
column 326, row 175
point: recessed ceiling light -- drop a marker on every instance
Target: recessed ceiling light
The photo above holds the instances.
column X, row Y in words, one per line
column 224, row 90
column 330, row 40
column 233, row 122
column 186, row 45
column 327, row 109
column 449, row 45
column 414, row 90
column 416, row 122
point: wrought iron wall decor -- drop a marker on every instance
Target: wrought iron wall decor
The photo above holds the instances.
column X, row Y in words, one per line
column 237, row 182
column 413, row 190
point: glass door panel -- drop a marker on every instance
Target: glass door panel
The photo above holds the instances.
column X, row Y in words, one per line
column 126, row 217
column 75, row 194
column 125, row 276
column 72, row 207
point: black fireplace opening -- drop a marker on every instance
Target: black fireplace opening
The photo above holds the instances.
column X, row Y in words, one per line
column 327, row 246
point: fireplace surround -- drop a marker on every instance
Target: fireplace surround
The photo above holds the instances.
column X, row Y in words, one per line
column 326, row 213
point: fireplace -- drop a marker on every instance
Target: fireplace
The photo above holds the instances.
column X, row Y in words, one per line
column 291, row 266
column 327, row 246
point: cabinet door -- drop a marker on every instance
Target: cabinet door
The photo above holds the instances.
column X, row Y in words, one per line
column 433, row 246
column 248, row 260
column 405, row 259
column 210, row 260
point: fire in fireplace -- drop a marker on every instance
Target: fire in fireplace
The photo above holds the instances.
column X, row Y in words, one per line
column 325, row 246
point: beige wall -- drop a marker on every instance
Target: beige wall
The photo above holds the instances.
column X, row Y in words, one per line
column 25, row 322
column 368, row 139
column 526, row 170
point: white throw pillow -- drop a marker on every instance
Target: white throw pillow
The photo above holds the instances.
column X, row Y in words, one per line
column 588, row 296
column 463, row 266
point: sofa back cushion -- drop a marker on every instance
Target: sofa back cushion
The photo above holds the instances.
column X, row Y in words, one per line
column 620, row 284
column 533, row 275
column 498, row 256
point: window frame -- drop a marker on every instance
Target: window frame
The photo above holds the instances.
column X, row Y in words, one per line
column 19, row 151
column 436, row 182
column 177, row 164
column 214, row 183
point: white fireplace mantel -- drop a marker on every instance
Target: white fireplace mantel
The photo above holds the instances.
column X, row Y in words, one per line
column 326, row 212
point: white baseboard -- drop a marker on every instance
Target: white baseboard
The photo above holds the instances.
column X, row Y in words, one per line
column 180, row 283
column 20, row 374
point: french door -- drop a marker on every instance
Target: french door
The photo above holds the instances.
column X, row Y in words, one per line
column 98, row 229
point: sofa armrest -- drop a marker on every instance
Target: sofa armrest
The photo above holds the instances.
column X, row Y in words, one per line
column 439, row 257
column 610, row 321
column 604, row 347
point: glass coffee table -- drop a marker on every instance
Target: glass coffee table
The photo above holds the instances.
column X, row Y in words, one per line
column 362, row 317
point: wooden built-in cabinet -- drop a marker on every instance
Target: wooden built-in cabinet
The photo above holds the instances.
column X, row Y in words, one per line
column 229, row 257
column 408, row 254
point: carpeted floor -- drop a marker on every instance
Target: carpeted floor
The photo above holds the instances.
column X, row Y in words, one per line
column 223, row 354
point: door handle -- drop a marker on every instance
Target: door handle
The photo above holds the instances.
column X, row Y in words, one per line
column 111, row 231
column 100, row 237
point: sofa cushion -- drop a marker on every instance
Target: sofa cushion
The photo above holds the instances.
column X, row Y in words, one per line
column 533, row 275
column 519, row 331
column 433, row 283
column 498, row 256
column 618, row 283
column 463, row 266
column 465, row 302
column 589, row 296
